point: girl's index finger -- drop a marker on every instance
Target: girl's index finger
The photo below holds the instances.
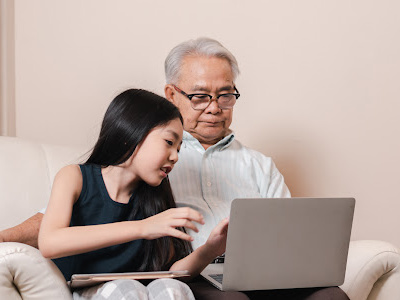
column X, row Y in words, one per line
column 181, row 235
column 190, row 213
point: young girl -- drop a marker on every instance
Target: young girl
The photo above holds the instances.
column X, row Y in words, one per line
column 116, row 212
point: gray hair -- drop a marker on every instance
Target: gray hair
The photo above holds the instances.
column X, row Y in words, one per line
column 202, row 46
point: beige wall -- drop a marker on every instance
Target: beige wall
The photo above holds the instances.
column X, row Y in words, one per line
column 320, row 83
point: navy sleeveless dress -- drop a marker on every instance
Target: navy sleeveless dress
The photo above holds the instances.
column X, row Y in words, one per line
column 94, row 206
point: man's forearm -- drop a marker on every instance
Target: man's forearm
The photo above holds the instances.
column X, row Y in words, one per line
column 27, row 232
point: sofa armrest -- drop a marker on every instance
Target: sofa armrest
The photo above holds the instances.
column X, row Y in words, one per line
column 26, row 274
column 373, row 271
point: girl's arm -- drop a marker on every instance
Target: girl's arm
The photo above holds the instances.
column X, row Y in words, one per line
column 204, row 255
column 57, row 239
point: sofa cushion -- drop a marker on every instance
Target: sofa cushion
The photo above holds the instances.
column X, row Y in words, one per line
column 373, row 271
column 26, row 173
column 24, row 269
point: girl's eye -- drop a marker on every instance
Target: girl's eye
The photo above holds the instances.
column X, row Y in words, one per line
column 169, row 142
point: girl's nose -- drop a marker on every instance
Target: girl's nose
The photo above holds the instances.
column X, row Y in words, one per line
column 174, row 156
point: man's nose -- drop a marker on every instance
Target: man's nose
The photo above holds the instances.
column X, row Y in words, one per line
column 213, row 106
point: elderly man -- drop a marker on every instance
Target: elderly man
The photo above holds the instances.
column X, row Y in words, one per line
column 214, row 168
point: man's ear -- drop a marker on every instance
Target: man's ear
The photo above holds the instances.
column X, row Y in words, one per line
column 169, row 92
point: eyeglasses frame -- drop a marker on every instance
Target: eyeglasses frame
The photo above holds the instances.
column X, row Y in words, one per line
column 190, row 96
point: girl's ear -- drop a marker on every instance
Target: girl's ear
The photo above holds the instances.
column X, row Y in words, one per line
column 130, row 158
column 135, row 151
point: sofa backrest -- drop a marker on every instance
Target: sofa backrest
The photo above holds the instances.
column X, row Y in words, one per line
column 27, row 170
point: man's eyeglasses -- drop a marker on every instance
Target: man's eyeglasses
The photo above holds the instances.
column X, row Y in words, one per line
column 202, row 101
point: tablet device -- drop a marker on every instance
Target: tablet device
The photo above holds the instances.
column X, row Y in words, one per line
column 84, row 280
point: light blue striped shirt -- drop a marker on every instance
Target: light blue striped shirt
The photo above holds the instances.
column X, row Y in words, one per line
column 208, row 180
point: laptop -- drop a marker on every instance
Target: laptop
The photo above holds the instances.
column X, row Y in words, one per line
column 284, row 243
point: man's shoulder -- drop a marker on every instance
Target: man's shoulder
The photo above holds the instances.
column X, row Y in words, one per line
column 237, row 145
column 249, row 157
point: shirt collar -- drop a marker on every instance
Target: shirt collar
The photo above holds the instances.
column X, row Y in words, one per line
column 188, row 139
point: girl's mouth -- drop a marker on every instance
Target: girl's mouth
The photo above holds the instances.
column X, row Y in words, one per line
column 166, row 170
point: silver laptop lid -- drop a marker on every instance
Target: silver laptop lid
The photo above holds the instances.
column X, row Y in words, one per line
column 287, row 243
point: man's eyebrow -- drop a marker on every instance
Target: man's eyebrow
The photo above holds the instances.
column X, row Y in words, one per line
column 200, row 88
column 205, row 89
column 226, row 88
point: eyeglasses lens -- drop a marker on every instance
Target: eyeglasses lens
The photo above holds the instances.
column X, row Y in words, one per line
column 200, row 102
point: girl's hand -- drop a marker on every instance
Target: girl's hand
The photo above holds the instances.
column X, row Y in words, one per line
column 216, row 242
column 215, row 246
column 165, row 223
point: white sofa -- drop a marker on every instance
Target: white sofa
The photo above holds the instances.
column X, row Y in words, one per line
column 26, row 173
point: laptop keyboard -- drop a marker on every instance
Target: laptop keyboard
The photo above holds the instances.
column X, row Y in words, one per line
column 219, row 259
column 217, row 277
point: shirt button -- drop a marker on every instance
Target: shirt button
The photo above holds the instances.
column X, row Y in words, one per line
column 208, row 183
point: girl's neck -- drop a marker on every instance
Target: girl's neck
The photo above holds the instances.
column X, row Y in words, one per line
column 120, row 183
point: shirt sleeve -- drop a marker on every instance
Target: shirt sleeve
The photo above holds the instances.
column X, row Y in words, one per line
column 270, row 181
column 277, row 187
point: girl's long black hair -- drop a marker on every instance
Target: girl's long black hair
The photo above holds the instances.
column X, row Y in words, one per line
column 128, row 120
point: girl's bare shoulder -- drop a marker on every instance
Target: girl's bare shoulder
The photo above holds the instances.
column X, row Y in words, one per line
column 72, row 171
column 69, row 177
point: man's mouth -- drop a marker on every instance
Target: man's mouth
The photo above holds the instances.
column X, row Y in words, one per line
column 214, row 123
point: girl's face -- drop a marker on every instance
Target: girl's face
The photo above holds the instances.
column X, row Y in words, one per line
column 155, row 157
